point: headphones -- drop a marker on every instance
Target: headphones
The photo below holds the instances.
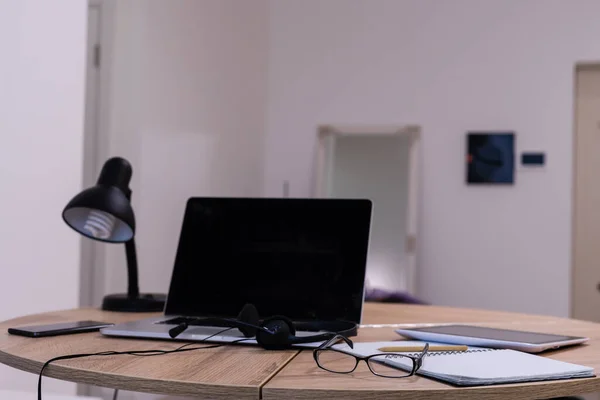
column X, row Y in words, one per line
column 274, row 333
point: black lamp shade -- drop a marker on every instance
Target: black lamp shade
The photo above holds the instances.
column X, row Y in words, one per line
column 101, row 213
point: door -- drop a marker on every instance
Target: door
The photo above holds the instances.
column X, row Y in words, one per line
column 586, row 229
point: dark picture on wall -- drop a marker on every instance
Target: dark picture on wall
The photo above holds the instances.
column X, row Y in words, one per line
column 490, row 158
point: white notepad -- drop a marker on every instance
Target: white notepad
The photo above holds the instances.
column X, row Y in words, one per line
column 481, row 366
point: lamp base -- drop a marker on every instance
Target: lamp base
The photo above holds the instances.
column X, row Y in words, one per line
column 145, row 302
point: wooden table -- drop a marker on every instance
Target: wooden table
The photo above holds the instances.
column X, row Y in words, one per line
column 249, row 372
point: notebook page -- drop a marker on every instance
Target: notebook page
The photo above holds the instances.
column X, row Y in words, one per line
column 499, row 365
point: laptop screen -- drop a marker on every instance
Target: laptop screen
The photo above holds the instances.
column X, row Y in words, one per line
column 302, row 258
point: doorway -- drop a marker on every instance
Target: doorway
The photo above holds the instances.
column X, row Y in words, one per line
column 379, row 163
column 585, row 294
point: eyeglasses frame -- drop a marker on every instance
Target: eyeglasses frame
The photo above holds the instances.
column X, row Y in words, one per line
column 417, row 360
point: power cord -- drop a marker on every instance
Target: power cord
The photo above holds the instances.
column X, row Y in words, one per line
column 139, row 353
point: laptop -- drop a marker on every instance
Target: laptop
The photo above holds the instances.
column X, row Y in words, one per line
column 302, row 258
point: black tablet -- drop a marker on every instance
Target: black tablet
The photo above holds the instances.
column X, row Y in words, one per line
column 479, row 336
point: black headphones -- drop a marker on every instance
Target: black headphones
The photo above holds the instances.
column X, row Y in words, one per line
column 276, row 332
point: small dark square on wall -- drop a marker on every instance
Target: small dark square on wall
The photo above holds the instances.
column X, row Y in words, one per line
column 490, row 157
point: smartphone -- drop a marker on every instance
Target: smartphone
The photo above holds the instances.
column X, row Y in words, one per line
column 65, row 328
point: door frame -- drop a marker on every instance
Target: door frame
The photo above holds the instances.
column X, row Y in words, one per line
column 326, row 135
column 96, row 148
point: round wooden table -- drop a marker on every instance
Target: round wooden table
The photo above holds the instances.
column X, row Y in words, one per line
column 249, row 372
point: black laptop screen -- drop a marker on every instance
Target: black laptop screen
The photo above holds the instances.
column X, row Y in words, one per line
column 302, row 258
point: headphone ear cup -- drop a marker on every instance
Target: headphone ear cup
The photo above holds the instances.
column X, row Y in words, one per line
column 281, row 330
column 248, row 315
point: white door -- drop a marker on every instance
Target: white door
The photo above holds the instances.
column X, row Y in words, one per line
column 586, row 228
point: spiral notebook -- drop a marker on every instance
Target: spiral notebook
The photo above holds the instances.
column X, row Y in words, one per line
column 479, row 366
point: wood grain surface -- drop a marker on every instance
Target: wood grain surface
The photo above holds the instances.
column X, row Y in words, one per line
column 248, row 372
column 302, row 379
column 226, row 372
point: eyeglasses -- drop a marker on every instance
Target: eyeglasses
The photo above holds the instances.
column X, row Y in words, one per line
column 387, row 365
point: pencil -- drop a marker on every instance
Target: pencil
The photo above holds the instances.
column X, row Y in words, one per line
column 401, row 349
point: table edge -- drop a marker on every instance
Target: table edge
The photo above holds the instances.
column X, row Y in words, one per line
column 132, row 383
column 528, row 390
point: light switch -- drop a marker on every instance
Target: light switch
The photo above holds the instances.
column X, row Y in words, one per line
column 533, row 159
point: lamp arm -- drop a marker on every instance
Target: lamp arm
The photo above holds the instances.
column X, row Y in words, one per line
column 133, row 290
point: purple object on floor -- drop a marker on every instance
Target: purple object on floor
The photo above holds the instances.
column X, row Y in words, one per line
column 387, row 296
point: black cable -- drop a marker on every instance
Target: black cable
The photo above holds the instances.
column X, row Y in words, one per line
column 139, row 353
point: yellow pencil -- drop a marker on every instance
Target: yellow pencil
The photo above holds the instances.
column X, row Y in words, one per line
column 403, row 349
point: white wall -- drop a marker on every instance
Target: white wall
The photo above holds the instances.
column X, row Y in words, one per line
column 187, row 109
column 377, row 167
column 449, row 67
column 41, row 126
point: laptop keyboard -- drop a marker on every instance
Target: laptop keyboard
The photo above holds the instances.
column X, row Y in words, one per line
column 195, row 322
column 300, row 326
column 185, row 320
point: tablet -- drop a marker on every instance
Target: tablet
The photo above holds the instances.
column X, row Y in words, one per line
column 478, row 336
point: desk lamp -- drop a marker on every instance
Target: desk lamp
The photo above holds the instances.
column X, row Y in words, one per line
column 104, row 213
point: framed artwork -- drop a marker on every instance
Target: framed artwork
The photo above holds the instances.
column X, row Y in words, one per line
column 490, row 157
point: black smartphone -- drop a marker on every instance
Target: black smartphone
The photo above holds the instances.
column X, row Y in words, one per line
column 65, row 328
